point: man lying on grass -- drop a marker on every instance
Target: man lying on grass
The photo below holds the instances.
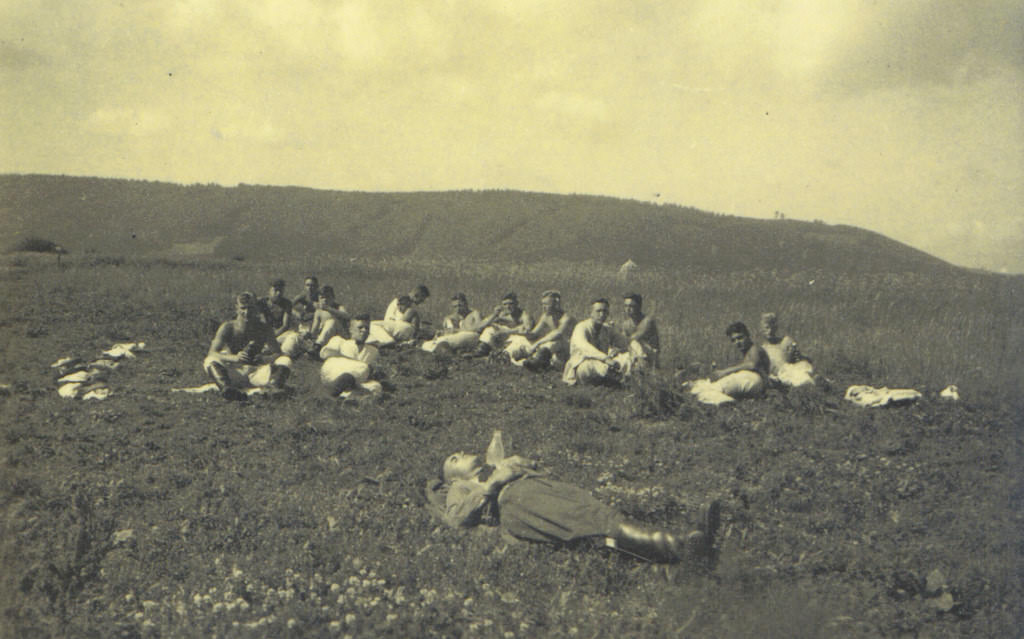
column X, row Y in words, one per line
column 513, row 493
column 746, row 379
column 234, row 359
column 348, row 363
column 460, row 331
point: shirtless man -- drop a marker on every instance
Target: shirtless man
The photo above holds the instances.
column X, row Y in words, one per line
column 642, row 332
column 547, row 343
column 277, row 309
column 507, row 319
column 460, row 330
column 401, row 321
column 348, row 363
column 788, row 365
column 330, row 319
column 304, row 305
column 233, row 360
column 598, row 354
column 746, row 379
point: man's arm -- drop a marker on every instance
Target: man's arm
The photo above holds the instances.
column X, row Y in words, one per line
column 644, row 330
column 221, row 343
column 412, row 316
column 487, row 321
column 471, row 322
column 286, row 323
column 332, row 348
column 525, row 322
column 465, row 500
column 581, row 343
column 557, row 333
column 748, row 363
column 270, row 341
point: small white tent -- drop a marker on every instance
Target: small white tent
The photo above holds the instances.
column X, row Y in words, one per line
column 627, row 270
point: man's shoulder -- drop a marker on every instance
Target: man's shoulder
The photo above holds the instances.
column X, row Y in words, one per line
column 584, row 325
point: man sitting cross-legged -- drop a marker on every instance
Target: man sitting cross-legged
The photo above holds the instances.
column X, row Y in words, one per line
column 642, row 332
column 788, row 365
column 508, row 318
column 460, row 331
column 745, row 379
column 348, row 363
column 547, row 343
column 598, row 354
column 401, row 321
column 233, row 361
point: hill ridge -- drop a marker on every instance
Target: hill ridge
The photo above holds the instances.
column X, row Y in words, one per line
column 139, row 217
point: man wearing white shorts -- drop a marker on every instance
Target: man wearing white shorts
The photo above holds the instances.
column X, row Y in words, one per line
column 401, row 321
column 348, row 363
column 746, row 379
column 233, row 360
column 460, row 330
column 547, row 343
column 788, row 365
column 507, row 319
column 642, row 332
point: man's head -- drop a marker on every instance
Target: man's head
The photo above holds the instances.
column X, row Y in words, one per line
column 599, row 310
column 326, row 298
column 311, row 285
column 245, row 306
column 633, row 304
column 359, row 327
column 769, row 324
column 460, row 466
column 419, row 294
column 551, row 301
column 510, row 303
column 276, row 290
column 404, row 303
column 460, row 304
column 739, row 335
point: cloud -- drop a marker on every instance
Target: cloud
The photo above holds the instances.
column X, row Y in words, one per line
column 945, row 42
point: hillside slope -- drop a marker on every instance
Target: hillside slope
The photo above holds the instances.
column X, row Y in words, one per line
column 128, row 217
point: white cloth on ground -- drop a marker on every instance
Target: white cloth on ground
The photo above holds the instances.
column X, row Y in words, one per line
column 871, row 397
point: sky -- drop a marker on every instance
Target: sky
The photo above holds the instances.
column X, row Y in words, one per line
column 903, row 117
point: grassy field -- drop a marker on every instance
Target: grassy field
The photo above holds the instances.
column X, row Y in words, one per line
column 160, row 514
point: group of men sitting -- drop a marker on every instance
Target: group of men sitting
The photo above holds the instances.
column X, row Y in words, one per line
column 258, row 347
